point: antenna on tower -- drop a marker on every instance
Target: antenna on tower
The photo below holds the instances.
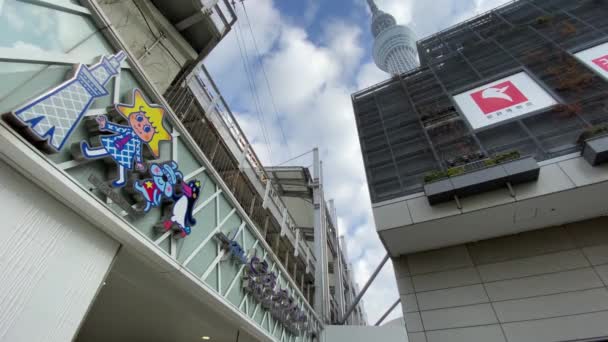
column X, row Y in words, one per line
column 372, row 6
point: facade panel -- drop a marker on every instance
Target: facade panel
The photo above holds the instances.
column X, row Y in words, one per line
column 53, row 263
column 541, row 280
column 415, row 124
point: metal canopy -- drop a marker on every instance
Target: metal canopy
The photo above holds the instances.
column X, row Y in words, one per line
column 291, row 181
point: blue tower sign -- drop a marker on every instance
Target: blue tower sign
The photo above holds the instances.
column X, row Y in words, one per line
column 52, row 116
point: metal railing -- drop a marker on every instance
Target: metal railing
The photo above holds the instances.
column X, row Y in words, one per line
column 208, row 90
column 197, row 85
column 217, row 10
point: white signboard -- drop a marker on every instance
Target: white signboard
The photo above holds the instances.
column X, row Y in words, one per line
column 596, row 58
column 502, row 100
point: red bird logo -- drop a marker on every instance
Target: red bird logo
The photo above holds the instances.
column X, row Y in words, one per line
column 497, row 93
column 498, row 97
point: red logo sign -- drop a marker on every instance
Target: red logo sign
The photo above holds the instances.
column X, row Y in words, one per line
column 498, row 97
column 602, row 62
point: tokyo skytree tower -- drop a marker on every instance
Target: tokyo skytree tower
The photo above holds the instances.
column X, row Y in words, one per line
column 394, row 45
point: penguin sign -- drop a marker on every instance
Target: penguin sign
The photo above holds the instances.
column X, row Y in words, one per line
column 181, row 219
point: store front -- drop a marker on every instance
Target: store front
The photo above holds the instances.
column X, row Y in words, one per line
column 129, row 221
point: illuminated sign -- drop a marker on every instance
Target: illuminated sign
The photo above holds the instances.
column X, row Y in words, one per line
column 164, row 179
column 145, row 127
column 51, row 117
column 232, row 247
column 501, row 100
column 262, row 285
column 182, row 219
column 595, row 58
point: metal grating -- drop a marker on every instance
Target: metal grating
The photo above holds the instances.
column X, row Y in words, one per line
column 409, row 125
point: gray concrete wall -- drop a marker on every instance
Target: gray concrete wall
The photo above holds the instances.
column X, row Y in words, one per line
column 156, row 59
column 543, row 285
column 350, row 333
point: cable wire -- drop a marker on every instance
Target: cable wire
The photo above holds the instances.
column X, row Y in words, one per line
column 276, row 112
column 253, row 89
column 251, row 83
column 296, row 157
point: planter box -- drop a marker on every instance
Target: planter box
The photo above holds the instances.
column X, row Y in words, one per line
column 439, row 191
column 515, row 172
column 595, row 150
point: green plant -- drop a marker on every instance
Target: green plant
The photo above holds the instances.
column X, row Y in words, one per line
column 434, row 176
column 489, row 162
column 455, row 171
column 438, row 175
column 592, row 132
column 545, row 19
column 507, row 156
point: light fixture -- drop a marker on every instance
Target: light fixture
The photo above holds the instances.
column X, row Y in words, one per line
column 206, row 338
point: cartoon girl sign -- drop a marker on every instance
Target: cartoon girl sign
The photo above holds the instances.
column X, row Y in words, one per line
column 125, row 146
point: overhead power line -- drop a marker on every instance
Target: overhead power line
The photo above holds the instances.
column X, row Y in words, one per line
column 259, row 57
column 252, row 88
column 296, row 157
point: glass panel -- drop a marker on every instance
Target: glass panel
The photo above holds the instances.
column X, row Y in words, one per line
column 127, row 84
column 187, row 162
column 54, row 31
column 205, row 223
column 22, row 81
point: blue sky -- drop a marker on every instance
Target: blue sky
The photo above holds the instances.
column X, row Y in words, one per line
column 315, row 54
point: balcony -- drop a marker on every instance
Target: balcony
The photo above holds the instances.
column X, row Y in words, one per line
column 568, row 189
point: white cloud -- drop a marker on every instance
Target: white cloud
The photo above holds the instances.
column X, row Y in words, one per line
column 369, row 75
column 312, row 8
column 312, row 82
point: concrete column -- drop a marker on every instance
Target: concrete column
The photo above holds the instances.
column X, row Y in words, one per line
column 321, row 299
column 53, row 263
column 339, row 279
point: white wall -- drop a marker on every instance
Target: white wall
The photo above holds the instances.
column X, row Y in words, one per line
column 52, row 263
column 350, row 333
column 543, row 285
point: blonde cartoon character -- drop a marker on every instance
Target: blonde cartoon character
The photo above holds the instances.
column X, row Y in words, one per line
column 125, row 146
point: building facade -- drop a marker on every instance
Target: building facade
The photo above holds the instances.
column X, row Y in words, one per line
column 302, row 196
column 135, row 207
column 486, row 175
column 394, row 45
